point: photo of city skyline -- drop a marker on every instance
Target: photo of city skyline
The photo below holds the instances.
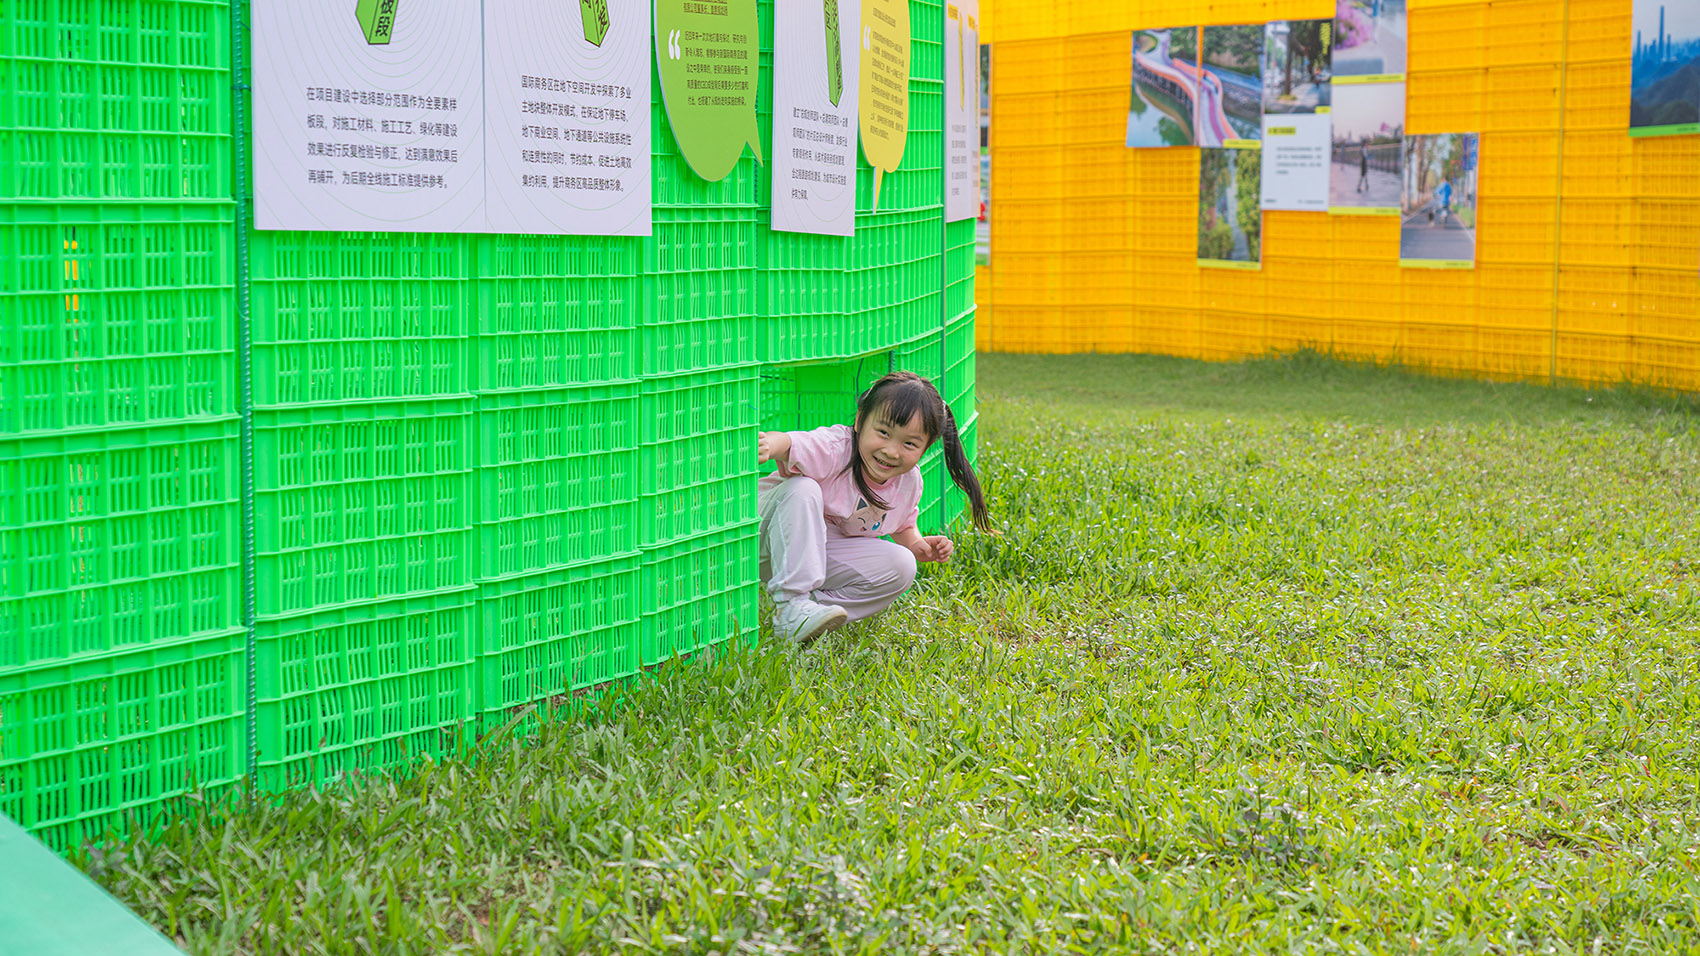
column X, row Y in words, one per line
column 1664, row 85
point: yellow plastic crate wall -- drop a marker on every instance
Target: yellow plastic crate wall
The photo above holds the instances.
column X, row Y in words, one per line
column 1588, row 239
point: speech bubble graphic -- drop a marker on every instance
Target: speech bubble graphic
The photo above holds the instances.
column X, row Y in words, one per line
column 708, row 58
column 884, row 88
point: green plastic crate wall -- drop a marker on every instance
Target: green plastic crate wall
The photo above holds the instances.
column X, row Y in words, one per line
column 115, row 315
column 455, row 513
column 86, row 742
column 363, row 687
column 701, row 592
column 112, row 540
column 558, row 477
column 115, row 101
column 556, row 633
column 886, row 275
column 360, row 502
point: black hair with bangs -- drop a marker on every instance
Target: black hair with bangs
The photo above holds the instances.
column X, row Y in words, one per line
column 898, row 397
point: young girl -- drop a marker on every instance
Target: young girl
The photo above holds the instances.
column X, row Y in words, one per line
column 837, row 491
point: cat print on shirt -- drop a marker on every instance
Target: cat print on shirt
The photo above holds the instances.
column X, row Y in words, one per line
column 864, row 521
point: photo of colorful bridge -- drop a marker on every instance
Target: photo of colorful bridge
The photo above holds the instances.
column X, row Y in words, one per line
column 1165, row 88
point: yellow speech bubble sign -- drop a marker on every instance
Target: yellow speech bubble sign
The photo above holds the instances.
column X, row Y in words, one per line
column 884, row 104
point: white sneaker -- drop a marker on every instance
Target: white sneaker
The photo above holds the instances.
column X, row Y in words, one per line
column 803, row 620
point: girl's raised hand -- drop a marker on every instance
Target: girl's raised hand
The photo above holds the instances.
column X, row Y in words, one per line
column 934, row 547
column 771, row 446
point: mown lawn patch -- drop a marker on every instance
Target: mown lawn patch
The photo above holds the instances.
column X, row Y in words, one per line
column 1275, row 657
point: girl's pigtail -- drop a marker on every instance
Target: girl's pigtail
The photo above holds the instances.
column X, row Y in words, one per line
column 960, row 471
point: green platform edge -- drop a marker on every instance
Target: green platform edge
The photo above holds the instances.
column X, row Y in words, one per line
column 49, row 908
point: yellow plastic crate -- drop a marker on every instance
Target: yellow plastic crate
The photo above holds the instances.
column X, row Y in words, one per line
column 1667, row 167
column 1100, row 278
column 1447, row 37
column 1515, row 296
column 1231, row 335
column 1303, row 234
column 1598, row 29
column 1598, row 163
column 1592, row 359
column 1093, row 117
column 1088, row 328
column 1289, row 333
column 1167, row 331
column 1522, row 230
column 1668, row 363
column 1101, row 60
column 1521, row 97
column 1434, row 297
column 1366, row 340
column 1514, row 354
column 1231, row 290
column 1523, row 31
column 1443, row 101
column 1366, row 237
column 1100, row 174
column 1366, row 292
column 1665, row 304
column 1297, row 287
column 1438, row 347
column 1667, row 233
column 1169, row 280
column 1594, row 94
column 1598, row 232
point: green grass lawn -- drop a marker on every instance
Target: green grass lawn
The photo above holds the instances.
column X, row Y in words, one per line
column 1278, row 657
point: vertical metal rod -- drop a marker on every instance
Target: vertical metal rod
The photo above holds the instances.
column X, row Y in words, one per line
column 244, row 352
column 1558, row 208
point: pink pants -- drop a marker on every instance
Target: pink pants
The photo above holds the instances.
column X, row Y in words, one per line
column 802, row 557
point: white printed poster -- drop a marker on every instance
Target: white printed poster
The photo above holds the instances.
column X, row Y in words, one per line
column 1297, row 99
column 961, row 111
column 1295, row 161
column 816, row 79
column 368, row 115
column 568, row 93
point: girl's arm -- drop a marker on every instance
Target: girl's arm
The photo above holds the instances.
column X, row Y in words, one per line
column 772, row 446
column 935, row 547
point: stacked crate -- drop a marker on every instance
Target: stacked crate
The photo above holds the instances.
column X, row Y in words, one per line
column 1586, row 257
column 122, row 656
column 489, row 472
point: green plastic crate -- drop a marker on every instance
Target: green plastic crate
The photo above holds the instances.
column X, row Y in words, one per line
column 361, row 502
column 115, row 101
column 698, row 453
column 557, row 477
column 115, row 315
column 84, row 742
column 557, row 310
column 696, row 320
column 702, row 592
column 546, row 635
column 363, row 687
column 342, row 317
column 117, row 539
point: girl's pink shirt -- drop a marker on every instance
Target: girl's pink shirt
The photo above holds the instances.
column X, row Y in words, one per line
column 824, row 455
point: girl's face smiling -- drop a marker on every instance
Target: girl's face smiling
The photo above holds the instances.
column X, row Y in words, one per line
column 889, row 449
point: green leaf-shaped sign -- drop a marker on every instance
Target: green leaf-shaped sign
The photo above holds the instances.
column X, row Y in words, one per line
column 707, row 51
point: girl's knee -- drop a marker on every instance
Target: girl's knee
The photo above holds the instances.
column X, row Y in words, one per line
column 801, row 486
column 903, row 567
